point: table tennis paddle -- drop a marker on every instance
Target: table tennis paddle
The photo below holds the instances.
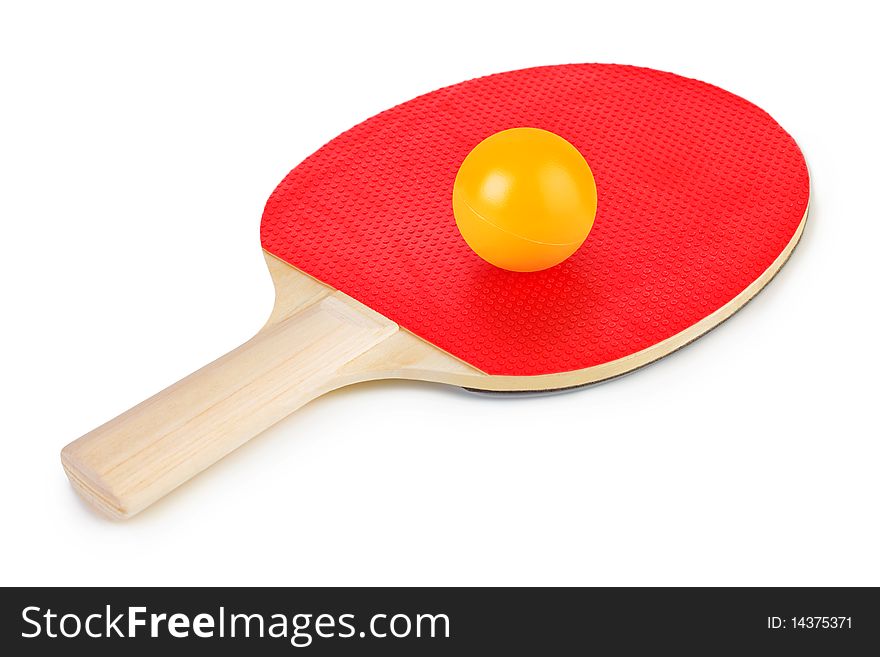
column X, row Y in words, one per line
column 702, row 198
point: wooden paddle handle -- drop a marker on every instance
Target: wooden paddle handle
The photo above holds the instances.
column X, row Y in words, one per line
column 143, row 454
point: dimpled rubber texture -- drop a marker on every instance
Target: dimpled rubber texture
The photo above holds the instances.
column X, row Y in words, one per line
column 699, row 192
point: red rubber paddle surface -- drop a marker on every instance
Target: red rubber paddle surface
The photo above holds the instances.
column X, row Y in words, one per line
column 699, row 192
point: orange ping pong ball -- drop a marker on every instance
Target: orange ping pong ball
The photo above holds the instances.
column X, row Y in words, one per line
column 524, row 199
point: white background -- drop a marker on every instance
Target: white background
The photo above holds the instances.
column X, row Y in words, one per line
column 137, row 148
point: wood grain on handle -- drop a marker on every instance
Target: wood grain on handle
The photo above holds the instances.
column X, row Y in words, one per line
column 138, row 457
